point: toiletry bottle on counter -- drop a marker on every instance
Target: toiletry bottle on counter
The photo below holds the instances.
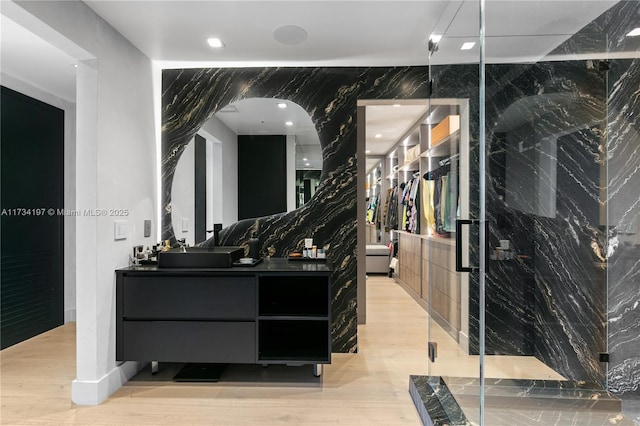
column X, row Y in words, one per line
column 254, row 246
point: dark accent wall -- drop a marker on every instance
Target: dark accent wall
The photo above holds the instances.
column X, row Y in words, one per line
column 32, row 135
column 623, row 257
column 262, row 175
column 622, row 233
column 543, row 195
column 563, row 161
column 553, row 302
column 329, row 95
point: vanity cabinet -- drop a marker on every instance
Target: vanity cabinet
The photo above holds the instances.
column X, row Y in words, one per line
column 276, row 312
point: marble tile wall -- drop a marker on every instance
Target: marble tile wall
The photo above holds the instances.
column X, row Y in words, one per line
column 552, row 302
column 623, row 260
column 329, row 95
column 623, row 192
column 545, row 126
column 569, row 201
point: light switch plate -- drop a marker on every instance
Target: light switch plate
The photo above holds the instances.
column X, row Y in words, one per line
column 120, row 230
column 185, row 224
column 147, row 228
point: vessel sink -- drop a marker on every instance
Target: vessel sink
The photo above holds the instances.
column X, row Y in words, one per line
column 200, row 257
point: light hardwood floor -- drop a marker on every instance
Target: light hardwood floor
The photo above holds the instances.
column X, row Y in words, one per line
column 367, row 388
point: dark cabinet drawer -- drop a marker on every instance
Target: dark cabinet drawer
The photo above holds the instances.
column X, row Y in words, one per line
column 188, row 341
column 189, row 298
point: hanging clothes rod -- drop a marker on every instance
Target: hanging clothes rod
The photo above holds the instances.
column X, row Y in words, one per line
column 448, row 160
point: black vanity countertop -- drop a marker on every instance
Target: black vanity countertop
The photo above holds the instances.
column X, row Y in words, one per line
column 273, row 264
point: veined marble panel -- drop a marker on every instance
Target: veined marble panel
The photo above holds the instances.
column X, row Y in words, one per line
column 329, row 95
column 563, row 231
column 623, row 297
column 546, row 162
column 607, row 34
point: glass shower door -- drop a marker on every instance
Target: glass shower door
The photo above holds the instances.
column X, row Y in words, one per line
column 450, row 245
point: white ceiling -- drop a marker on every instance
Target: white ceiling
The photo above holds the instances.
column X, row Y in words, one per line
column 33, row 60
column 260, row 116
column 345, row 33
column 338, row 33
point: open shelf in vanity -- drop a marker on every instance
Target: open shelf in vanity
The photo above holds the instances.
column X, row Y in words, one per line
column 294, row 319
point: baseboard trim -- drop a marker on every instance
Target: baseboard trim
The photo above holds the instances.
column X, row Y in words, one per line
column 463, row 341
column 94, row 392
column 69, row 316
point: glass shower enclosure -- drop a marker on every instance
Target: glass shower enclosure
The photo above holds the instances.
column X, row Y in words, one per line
column 549, row 249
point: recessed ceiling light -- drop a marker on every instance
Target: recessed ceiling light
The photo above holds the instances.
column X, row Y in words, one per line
column 378, row 135
column 368, row 151
column 307, row 164
column 304, row 159
column 396, row 105
column 215, row 42
column 468, row 45
column 289, row 123
column 282, row 105
column 634, row 33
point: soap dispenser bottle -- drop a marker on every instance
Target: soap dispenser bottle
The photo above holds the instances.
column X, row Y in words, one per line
column 254, row 246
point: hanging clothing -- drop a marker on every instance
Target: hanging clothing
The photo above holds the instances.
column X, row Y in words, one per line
column 410, row 206
column 414, row 214
column 439, row 177
column 445, row 203
column 391, row 210
column 372, row 209
column 376, row 209
column 404, row 201
column 385, row 210
column 427, row 206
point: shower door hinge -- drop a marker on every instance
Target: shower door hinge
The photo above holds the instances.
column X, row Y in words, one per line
column 432, row 351
column 603, row 357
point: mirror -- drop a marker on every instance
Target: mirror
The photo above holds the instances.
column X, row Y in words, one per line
column 307, row 182
column 205, row 188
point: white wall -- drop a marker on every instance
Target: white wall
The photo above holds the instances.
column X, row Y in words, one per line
column 69, row 109
column 215, row 191
column 115, row 170
column 183, row 189
column 183, row 195
column 216, row 129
